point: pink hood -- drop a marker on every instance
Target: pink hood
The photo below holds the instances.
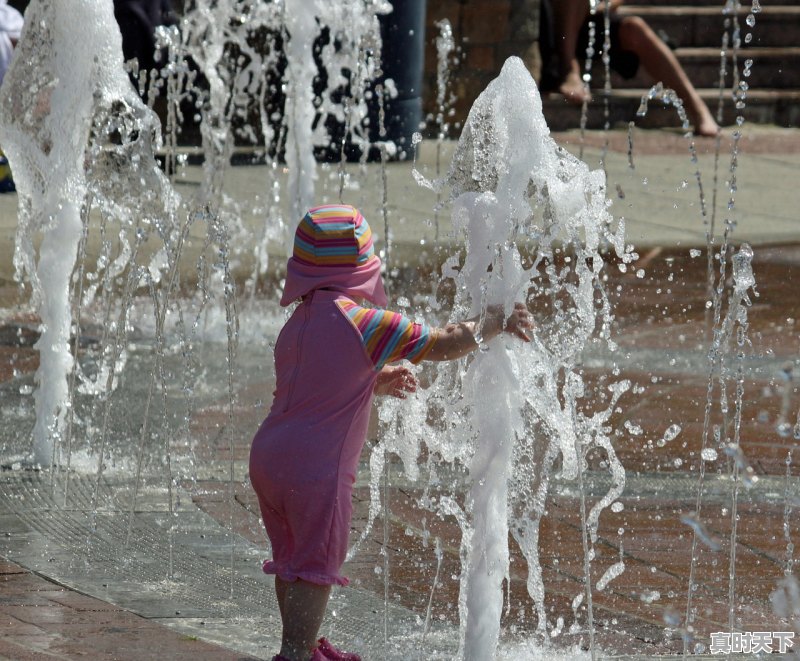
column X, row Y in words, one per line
column 363, row 281
column 333, row 250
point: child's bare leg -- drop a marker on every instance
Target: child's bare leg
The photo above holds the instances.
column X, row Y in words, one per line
column 660, row 62
column 569, row 16
column 280, row 593
column 303, row 609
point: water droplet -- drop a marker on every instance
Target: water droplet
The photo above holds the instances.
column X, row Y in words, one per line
column 709, row 454
column 649, row 596
column 672, row 617
column 671, row 433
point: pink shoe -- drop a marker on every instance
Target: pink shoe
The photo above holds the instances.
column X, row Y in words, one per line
column 330, row 653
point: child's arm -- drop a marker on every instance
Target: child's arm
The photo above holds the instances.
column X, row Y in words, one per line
column 457, row 340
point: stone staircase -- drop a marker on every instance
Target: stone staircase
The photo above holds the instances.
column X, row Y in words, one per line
column 695, row 29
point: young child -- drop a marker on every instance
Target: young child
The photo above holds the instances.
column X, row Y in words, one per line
column 332, row 355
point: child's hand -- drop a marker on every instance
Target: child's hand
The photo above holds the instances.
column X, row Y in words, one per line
column 519, row 320
column 515, row 323
column 395, row 381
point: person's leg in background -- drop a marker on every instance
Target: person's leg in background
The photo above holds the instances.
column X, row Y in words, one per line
column 569, row 16
column 659, row 61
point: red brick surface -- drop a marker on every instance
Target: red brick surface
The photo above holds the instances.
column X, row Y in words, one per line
column 655, row 545
column 41, row 620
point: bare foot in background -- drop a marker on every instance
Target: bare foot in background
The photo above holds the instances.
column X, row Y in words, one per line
column 573, row 88
column 706, row 127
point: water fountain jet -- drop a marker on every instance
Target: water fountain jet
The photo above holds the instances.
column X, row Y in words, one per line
column 54, row 101
column 513, row 188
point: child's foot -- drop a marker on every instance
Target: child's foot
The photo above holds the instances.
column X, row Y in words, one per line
column 330, row 653
column 316, row 656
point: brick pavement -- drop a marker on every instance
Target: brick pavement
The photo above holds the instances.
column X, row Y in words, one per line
column 655, row 547
column 43, row 621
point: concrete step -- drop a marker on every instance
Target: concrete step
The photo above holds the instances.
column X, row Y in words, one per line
column 777, row 25
column 763, row 106
column 719, row 4
column 696, row 29
column 772, row 68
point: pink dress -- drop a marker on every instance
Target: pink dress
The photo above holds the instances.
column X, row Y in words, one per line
column 305, row 455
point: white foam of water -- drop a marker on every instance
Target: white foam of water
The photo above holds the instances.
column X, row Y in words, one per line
column 303, row 28
column 54, row 103
column 353, row 26
column 610, row 574
column 511, row 411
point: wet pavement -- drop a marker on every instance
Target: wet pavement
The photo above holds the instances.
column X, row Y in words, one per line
column 111, row 582
column 663, row 351
column 655, row 189
column 43, row 620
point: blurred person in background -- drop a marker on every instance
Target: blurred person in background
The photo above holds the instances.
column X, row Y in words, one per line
column 138, row 20
column 10, row 31
column 633, row 43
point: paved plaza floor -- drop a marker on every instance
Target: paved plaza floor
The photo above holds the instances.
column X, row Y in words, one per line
column 87, row 575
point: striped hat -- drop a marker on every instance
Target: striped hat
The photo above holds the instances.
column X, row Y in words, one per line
column 333, row 250
column 333, row 235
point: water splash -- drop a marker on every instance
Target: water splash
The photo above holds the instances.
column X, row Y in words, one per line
column 353, row 27
column 694, row 522
column 783, row 426
column 534, row 222
column 76, row 131
column 786, row 602
column 445, row 46
column 669, row 435
column 610, row 574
